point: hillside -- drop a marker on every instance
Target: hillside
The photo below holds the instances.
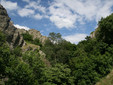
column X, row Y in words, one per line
column 108, row 80
column 28, row 58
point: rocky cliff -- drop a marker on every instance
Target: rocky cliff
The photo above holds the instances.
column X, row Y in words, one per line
column 35, row 34
column 6, row 26
column 95, row 33
column 13, row 34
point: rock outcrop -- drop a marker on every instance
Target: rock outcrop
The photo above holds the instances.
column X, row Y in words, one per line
column 95, row 33
column 35, row 34
column 14, row 37
column 6, row 26
column 92, row 35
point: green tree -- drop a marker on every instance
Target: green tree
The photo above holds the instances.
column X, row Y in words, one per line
column 27, row 37
column 55, row 37
column 35, row 63
column 106, row 30
column 4, row 55
column 58, row 75
column 37, row 42
column 21, row 75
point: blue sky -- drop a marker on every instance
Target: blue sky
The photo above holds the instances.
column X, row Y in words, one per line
column 74, row 19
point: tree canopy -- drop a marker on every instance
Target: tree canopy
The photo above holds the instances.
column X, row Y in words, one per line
column 82, row 64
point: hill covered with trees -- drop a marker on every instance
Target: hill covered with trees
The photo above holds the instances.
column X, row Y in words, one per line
column 62, row 62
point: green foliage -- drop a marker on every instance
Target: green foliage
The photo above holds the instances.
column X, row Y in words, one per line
column 27, row 37
column 57, row 49
column 59, row 52
column 2, row 38
column 90, row 69
column 37, row 42
column 20, row 75
column 58, row 75
column 35, row 63
column 108, row 80
column 106, row 29
column 92, row 61
column 55, row 37
column 82, row 64
column 4, row 54
column 89, row 61
column 17, row 51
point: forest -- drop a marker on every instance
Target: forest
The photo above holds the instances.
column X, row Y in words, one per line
column 70, row 64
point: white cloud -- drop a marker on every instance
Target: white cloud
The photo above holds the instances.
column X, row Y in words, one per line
column 32, row 10
column 38, row 16
column 25, row 12
column 36, row 5
column 65, row 13
column 61, row 16
column 75, row 38
column 9, row 5
column 89, row 8
column 21, row 27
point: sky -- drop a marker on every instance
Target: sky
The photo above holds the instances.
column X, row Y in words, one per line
column 73, row 19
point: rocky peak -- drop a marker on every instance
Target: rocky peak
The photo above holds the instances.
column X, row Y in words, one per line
column 14, row 37
column 6, row 26
column 4, row 19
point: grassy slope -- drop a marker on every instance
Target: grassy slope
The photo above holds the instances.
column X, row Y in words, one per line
column 108, row 80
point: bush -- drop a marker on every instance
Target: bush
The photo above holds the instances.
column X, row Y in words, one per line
column 27, row 37
column 37, row 42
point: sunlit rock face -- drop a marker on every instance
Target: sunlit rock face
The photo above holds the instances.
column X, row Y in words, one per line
column 6, row 26
column 14, row 37
column 36, row 34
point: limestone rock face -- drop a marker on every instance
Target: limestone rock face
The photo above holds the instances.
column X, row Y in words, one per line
column 14, row 37
column 93, row 34
column 35, row 34
column 4, row 19
column 6, row 26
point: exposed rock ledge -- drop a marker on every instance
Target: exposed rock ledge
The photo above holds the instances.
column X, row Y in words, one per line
column 35, row 34
column 14, row 37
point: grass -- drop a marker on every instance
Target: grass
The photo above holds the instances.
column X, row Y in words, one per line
column 108, row 80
